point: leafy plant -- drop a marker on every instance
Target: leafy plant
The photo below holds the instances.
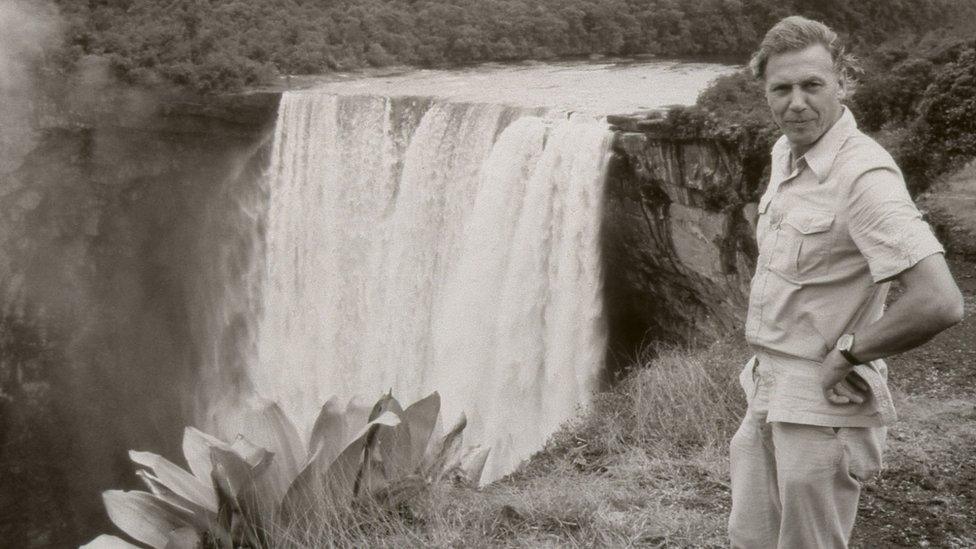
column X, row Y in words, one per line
column 234, row 493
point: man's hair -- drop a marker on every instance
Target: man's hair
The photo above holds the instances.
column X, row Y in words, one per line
column 795, row 33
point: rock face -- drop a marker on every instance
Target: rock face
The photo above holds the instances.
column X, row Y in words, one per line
column 107, row 219
column 679, row 245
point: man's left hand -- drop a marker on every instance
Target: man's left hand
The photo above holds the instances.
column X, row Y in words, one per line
column 839, row 382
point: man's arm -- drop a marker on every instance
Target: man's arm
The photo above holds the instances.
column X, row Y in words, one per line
column 897, row 244
column 931, row 303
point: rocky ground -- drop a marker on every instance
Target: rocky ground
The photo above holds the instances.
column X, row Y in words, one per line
column 926, row 495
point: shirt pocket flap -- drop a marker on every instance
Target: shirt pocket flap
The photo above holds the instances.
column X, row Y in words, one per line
column 810, row 221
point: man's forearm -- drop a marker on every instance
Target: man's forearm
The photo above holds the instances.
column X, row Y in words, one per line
column 908, row 323
column 931, row 303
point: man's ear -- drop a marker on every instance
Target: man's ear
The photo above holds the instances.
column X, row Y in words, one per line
column 842, row 88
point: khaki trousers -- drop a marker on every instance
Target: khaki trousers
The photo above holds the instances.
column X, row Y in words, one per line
column 796, row 486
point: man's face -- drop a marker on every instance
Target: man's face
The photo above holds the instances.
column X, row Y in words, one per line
column 804, row 93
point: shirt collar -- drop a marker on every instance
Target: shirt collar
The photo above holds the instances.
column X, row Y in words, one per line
column 821, row 156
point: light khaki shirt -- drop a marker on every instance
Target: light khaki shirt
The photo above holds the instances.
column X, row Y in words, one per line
column 834, row 226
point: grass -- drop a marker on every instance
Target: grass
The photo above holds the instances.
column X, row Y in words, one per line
column 646, row 466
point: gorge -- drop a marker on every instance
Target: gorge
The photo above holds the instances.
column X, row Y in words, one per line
column 135, row 245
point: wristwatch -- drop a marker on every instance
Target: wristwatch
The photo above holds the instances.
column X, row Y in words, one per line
column 844, row 344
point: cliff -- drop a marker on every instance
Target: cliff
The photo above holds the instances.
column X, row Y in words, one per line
column 678, row 235
column 113, row 212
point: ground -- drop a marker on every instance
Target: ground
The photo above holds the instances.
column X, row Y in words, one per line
column 648, row 466
column 926, row 495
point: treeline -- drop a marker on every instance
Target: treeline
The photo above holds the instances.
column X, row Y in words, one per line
column 920, row 101
column 917, row 97
column 222, row 45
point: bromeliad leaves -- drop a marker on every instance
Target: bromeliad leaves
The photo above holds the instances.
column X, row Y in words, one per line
column 233, row 492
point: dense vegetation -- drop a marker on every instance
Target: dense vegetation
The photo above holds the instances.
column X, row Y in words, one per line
column 220, row 45
column 921, row 100
column 917, row 96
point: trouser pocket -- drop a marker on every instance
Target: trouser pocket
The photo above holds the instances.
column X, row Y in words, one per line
column 864, row 447
column 748, row 378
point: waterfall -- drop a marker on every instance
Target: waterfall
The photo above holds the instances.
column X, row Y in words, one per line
column 426, row 245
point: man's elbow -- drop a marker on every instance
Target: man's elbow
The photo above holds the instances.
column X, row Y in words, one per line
column 949, row 310
column 956, row 309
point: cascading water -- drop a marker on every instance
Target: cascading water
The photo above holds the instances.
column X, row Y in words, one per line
column 426, row 245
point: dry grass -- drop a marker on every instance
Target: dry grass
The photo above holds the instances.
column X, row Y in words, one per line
column 645, row 466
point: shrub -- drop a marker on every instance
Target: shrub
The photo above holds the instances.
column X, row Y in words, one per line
column 890, row 96
column 241, row 494
column 946, row 127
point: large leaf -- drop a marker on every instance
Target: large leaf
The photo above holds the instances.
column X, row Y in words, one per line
column 255, row 456
column 380, row 442
column 472, row 464
column 389, row 454
column 265, row 424
column 445, row 451
column 106, row 541
column 386, row 419
column 230, row 472
column 196, row 450
column 386, row 403
column 180, row 482
column 143, row 516
column 333, row 479
column 401, row 450
column 184, row 538
column 200, row 516
column 349, row 471
column 241, row 504
column 421, row 417
column 330, row 432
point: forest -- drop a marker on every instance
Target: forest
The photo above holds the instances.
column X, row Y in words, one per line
column 916, row 96
column 213, row 46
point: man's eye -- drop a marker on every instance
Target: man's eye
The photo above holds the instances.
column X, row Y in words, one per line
column 813, row 85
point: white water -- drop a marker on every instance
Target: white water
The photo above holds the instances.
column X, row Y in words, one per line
column 425, row 246
column 604, row 87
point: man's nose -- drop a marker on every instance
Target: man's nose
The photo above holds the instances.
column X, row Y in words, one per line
column 797, row 101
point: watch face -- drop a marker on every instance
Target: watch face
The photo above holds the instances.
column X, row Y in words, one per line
column 845, row 342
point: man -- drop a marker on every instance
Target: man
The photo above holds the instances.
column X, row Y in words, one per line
column 836, row 225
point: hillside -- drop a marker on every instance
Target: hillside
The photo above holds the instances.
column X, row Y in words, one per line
column 221, row 45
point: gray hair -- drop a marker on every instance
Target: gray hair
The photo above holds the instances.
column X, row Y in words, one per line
column 796, row 33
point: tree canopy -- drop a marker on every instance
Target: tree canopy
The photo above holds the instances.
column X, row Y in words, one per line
column 221, row 45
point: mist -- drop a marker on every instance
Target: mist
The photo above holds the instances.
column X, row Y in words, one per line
column 118, row 216
column 27, row 30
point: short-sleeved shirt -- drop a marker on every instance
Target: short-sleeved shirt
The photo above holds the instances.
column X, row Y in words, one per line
column 834, row 226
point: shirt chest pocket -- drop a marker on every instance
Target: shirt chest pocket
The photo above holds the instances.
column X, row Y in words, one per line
column 803, row 242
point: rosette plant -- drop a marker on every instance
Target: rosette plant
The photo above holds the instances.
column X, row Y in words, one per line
column 234, row 492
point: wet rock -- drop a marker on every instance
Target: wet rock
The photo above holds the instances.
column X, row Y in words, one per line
column 679, row 248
